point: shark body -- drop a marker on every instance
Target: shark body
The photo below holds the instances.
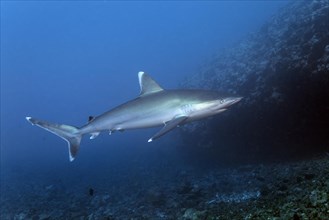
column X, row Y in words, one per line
column 155, row 106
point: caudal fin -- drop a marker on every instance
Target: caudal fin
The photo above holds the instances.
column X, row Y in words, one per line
column 69, row 133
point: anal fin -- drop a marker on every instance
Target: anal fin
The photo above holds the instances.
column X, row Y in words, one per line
column 178, row 120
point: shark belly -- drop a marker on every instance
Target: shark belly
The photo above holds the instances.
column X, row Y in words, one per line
column 132, row 116
column 145, row 120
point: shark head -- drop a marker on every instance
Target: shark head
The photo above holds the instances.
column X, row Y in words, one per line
column 224, row 103
column 210, row 103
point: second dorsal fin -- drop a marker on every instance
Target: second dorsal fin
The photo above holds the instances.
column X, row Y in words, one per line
column 90, row 118
column 147, row 84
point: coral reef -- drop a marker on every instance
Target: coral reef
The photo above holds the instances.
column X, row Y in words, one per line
column 294, row 190
column 283, row 73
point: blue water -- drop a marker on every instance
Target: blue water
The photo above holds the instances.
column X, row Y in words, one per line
column 64, row 61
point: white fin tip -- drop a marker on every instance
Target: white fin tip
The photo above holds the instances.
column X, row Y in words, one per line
column 29, row 119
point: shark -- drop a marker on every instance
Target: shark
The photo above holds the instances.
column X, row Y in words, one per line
column 155, row 106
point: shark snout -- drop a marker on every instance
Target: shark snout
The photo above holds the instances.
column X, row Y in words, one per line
column 232, row 100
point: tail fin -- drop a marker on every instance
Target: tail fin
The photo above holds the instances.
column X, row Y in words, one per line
column 69, row 133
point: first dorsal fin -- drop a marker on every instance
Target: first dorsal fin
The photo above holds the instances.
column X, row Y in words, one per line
column 147, row 84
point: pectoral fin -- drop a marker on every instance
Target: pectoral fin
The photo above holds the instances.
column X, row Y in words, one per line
column 169, row 126
column 94, row 135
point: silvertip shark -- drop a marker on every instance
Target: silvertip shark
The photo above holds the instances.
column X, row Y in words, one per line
column 154, row 107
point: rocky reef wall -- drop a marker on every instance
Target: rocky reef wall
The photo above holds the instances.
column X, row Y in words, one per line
column 282, row 71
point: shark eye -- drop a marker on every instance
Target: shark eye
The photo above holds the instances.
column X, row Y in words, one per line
column 221, row 101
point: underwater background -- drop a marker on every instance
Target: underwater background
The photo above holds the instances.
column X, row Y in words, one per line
column 264, row 158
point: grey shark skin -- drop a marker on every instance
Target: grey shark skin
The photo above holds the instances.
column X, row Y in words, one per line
column 154, row 107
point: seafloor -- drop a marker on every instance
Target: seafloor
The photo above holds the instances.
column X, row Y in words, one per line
column 290, row 190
